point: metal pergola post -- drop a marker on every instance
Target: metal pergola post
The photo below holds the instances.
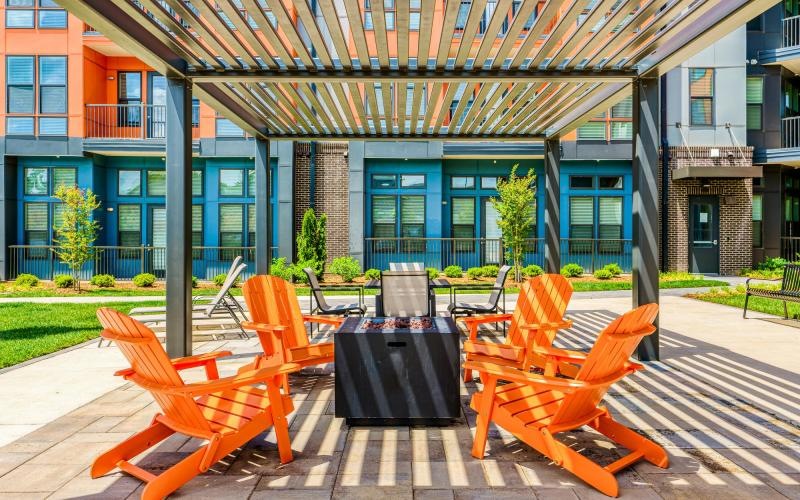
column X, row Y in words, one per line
column 646, row 141
column 179, row 222
column 263, row 209
column 552, row 206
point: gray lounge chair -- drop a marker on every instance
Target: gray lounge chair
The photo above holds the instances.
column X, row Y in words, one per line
column 404, row 293
column 220, row 316
column 406, row 266
column 322, row 306
column 492, row 306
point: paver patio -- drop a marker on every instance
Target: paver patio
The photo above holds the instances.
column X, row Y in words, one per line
column 724, row 406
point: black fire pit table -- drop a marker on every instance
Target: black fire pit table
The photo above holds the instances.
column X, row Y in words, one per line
column 398, row 371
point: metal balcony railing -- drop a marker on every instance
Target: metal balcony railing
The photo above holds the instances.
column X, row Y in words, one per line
column 791, row 31
column 126, row 262
column 131, row 121
column 790, row 132
column 591, row 254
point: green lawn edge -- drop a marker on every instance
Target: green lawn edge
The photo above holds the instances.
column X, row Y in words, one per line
column 760, row 304
column 29, row 330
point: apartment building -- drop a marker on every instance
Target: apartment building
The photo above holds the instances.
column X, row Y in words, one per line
column 78, row 109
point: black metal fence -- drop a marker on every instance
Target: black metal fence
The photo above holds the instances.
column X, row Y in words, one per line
column 591, row 254
column 126, row 262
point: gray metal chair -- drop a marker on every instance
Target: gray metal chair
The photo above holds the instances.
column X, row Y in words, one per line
column 404, row 293
column 322, row 306
column 491, row 306
column 406, row 266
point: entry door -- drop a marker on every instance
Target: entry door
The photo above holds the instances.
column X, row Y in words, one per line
column 704, row 234
column 493, row 248
column 158, row 240
column 157, row 109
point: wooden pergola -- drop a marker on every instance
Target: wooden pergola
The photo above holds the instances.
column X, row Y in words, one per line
column 499, row 70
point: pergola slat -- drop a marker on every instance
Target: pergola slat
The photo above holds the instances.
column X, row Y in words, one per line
column 531, row 79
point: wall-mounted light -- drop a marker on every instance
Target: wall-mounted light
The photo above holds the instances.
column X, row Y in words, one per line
column 110, row 77
column 109, row 209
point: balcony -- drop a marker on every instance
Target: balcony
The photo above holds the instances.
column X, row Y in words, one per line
column 140, row 127
column 788, row 54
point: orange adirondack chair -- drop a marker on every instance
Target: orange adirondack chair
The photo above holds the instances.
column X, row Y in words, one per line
column 226, row 412
column 535, row 408
column 280, row 324
column 536, row 319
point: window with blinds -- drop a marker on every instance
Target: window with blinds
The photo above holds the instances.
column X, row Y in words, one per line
column 412, row 222
column 37, row 228
column 156, row 183
column 36, row 181
column 231, row 182
column 251, row 225
column 67, row 177
column 197, row 183
column 463, row 222
column 58, row 219
column 581, row 224
column 594, row 130
column 384, row 222
column 129, row 221
column 231, row 225
column 754, row 94
column 609, row 224
column 20, row 97
column 129, row 183
column 251, row 182
column 701, row 96
column 53, row 85
column 621, row 120
column 197, row 229
column 758, row 237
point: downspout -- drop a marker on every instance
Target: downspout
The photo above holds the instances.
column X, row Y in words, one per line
column 664, row 178
column 312, row 175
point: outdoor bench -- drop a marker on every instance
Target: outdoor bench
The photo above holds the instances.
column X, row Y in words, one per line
column 788, row 292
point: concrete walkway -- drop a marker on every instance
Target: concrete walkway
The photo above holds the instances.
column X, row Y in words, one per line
column 724, row 402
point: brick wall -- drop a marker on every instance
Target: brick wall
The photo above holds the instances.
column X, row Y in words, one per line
column 735, row 207
column 332, row 191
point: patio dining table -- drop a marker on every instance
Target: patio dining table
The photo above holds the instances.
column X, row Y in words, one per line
column 434, row 283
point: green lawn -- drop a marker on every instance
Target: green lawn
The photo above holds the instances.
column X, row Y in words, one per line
column 759, row 304
column 30, row 330
column 579, row 286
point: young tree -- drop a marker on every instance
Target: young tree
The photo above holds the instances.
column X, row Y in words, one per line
column 311, row 242
column 78, row 230
column 515, row 216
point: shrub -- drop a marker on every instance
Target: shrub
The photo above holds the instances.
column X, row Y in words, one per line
column 346, row 268
column 490, row 271
column 25, row 279
column 772, row 264
column 107, row 280
column 676, row 276
column 603, row 274
column 297, row 273
column 280, row 269
column 219, row 279
column 195, row 282
column 572, row 271
column 614, row 269
column 311, row 242
column 144, row 280
column 453, row 271
column 532, row 271
column 372, row 274
column 433, row 273
column 63, row 281
column 474, row 273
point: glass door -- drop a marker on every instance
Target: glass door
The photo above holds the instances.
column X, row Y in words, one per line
column 493, row 245
column 157, row 106
column 158, row 240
